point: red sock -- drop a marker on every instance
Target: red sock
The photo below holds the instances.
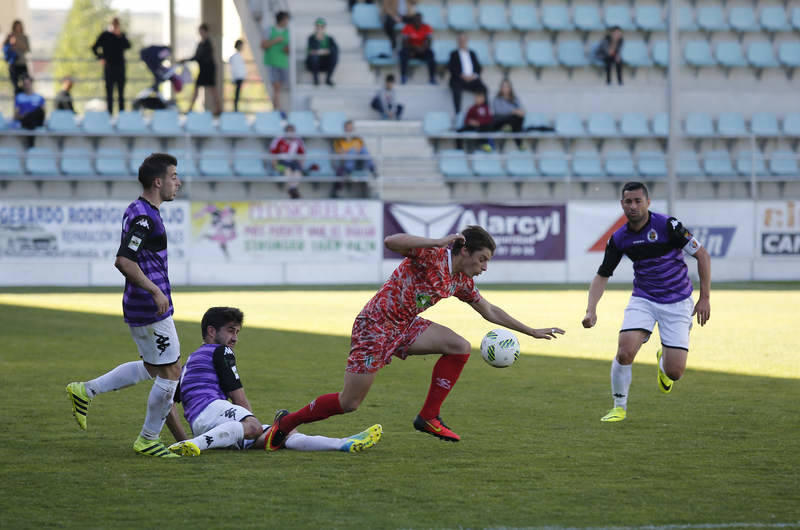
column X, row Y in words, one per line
column 323, row 407
column 445, row 374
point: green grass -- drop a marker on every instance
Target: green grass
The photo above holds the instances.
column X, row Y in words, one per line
column 722, row 448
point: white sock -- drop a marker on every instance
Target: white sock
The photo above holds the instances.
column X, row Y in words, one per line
column 122, row 376
column 158, row 404
column 225, row 435
column 301, row 442
column 620, row 383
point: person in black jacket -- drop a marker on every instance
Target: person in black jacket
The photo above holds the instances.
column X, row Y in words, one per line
column 610, row 52
column 110, row 48
column 465, row 71
column 323, row 53
column 207, row 76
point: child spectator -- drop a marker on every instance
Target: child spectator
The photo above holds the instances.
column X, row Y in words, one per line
column 64, row 97
column 238, row 72
column 478, row 118
column 290, row 166
column 29, row 108
column 385, row 101
column 323, row 53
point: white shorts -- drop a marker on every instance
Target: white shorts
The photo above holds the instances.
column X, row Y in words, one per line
column 674, row 320
column 157, row 342
column 216, row 413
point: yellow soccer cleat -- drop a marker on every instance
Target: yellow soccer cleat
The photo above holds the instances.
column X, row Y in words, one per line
column 185, row 448
column 363, row 440
column 146, row 447
column 615, row 414
column 664, row 382
column 76, row 392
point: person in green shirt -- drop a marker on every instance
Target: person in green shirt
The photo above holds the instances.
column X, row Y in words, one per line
column 276, row 55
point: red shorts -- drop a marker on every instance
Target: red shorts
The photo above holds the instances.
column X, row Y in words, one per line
column 373, row 343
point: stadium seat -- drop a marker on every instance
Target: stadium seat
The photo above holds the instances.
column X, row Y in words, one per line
column 200, row 123
column 442, row 49
column 461, row 17
column 378, row 52
column 332, row 123
column 322, row 159
column 248, row 162
column 729, row 54
column 214, row 163
column 586, row 164
column 268, row 123
column 796, row 18
column 453, row 163
column 618, row 15
column 97, row 122
column 437, row 122
column 761, row 54
column 717, row 163
column 138, row 154
column 773, row 18
column 634, row 53
column 234, row 123
column 492, row 17
column 62, row 121
column 601, row 124
column 432, row 16
column 686, row 19
column 731, row 124
column 10, row 160
column 525, row 18
column 535, row 119
column 687, row 164
column 743, row 19
column 555, row 17
column 789, row 54
column 572, row 54
column 3, row 124
column 634, row 124
column 747, row 164
column 186, row 164
column 165, row 122
column 791, row 124
column 698, row 53
column 508, row 53
column 131, row 122
column 303, row 121
column 764, row 124
column 41, row 161
column 651, row 164
column 553, row 163
column 619, row 164
column 481, row 49
column 540, row 53
column 366, row 17
column 520, row 164
column 711, row 18
column 783, row 163
column 660, row 53
column 661, row 124
column 110, row 162
column 569, row 124
column 699, row 124
column 587, row 18
column 649, row 18
column 487, row 165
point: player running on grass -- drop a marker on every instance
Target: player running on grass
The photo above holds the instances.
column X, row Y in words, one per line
column 389, row 326
column 210, row 379
column 662, row 292
column 146, row 306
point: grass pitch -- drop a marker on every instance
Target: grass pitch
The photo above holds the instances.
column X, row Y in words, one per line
column 722, row 449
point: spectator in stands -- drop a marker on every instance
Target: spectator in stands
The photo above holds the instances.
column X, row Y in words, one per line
column 479, row 118
column 290, row 165
column 29, row 108
column 465, row 71
column 64, row 97
column 110, row 48
column 323, row 53
column 385, row 101
column 276, row 55
column 207, row 76
column 417, row 38
column 351, row 3
column 396, row 12
column 238, row 72
column 15, row 47
column 351, row 145
column 610, row 52
column 507, row 110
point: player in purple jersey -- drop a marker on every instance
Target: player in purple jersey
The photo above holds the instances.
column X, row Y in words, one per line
column 210, row 378
column 147, row 307
column 662, row 292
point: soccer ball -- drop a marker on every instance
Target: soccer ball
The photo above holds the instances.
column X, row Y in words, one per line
column 500, row 348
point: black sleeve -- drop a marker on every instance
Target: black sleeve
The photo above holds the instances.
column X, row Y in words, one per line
column 678, row 234
column 125, row 42
column 454, row 64
column 225, row 365
column 611, row 259
column 97, row 45
column 476, row 64
column 134, row 240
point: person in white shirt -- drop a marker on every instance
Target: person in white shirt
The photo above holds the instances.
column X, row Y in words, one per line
column 238, row 72
column 465, row 71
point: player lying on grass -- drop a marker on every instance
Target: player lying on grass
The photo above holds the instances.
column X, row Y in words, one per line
column 389, row 326
column 210, row 378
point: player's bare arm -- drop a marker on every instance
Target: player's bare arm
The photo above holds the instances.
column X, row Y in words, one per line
column 596, row 291
column 703, row 306
column 238, row 397
column 131, row 270
column 497, row 315
column 402, row 243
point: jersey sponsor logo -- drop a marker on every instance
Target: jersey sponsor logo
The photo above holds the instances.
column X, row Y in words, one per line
column 780, row 244
column 652, row 235
column 423, row 300
column 143, row 223
column 715, row 239
column 134, row 243
column 162, row 342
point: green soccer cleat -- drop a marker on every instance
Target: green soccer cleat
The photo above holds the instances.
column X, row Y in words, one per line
column 185, row 448
column 615, row 414
column 664, row 382
column 363, row 440
column 76, row 392
column 146, row 447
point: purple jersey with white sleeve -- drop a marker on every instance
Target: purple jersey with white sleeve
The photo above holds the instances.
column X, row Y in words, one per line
column 659, row 272
column 144, row 240
column 209, row 374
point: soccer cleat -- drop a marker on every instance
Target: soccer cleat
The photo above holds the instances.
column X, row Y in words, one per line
column 363, row 440
column 436, row 427
column 276, row 437
column 185, row 448
column 664, row 382
column 80, row 402
column 146, row 447
column 615, row 414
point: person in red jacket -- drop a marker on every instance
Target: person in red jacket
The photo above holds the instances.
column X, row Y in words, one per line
column 479, row 118
column 290, row 165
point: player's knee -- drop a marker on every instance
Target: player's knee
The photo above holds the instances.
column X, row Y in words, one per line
column 458, row 346
column 252, row 428
column 349, row 404
column 673, row 372
column 625, row 356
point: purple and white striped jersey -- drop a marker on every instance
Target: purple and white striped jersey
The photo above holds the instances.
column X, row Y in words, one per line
column 144, row 240
column 209, row 374
column 659, row 272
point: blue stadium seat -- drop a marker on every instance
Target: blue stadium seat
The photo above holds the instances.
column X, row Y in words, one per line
column 432, row 16
column 535, row 119
column 453, row 163
column 698, row 53
column 699, row 124
column 620, row 164
column 660, row 53
column 492, row 17
column 332, row 122
column 268, row 123
column 729, row 54
column 487, row 165
column 131, row 122
column 687, row 164
column 587, row 18
column 649, row 18
column 322, row 159
column 186, row 163
column 634, row 53
column 791, row 124
column 540, row 53
column 201, row 123
column 796, row 18
column 586, row 164
column 569, row 124
column 711, row 18
column 789, row 54
column 686, row 19
column 553, row 163
column 773, row 18
column 234, row 123
column 481, row 49
column 747, row 164
column 137, row 155
column 303, row 121
column 437, row 122
column 10, row 161
column 651, row 164
column 525, row 18
column 761, row 55
column 601, row 124
column 248, row 162
column 784, row 163
column 442, row 49
column 461, row 17
column 214, row 163
column 555, row 17
column 571, row 54
column 62, row 121
column 634, row 124
column 3, row 124
column 508, row 53
column 618, row 15
column 743, row 19
column 41, row 161
column 166, row 122
column 366, row 17
column 520, row 164
column 764, row 124
column 110, row 162
column 97, row 123
column 731, row 124
column 378, row 52
column 661, row 124
column 717, row 163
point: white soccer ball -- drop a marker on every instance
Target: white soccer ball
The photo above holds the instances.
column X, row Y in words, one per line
column 500, row 348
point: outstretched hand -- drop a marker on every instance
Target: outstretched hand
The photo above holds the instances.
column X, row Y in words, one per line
column 446, row 241
column 547, row 333
column 589, row 320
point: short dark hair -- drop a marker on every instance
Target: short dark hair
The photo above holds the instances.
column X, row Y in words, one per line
column 155, row 166
column 280, row 16
column 239, row 42
column 390, row 78
column 217, row 317
column 288, row 127
column 203, row 26
column 633, row 186
column 475, row 238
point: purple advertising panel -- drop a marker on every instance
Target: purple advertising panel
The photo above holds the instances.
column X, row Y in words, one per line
column 521, row 232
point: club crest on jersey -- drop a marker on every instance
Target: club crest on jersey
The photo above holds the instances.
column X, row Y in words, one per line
column 423, row 300
column 134, row 243
column 652, row 235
